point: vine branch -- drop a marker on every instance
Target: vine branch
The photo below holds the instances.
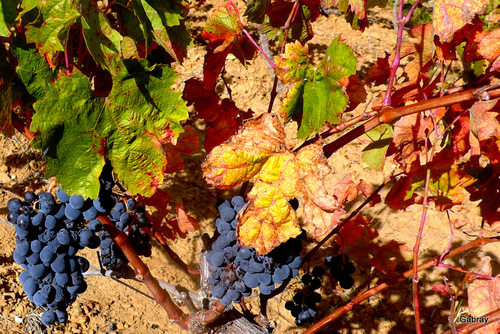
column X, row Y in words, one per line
column 389, row 114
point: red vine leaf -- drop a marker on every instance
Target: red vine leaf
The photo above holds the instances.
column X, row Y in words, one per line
column 380, row 72
column 6, row 110
column 420, row 52
column 451, row 15
column 223, row 29
column 358, row 241
column 300, row 29
column 410, row 133
column 187, row 143
column 222, row 118
column 484, row 297
column 224, row 126
column 346, row 190
column 356, row 91
column 483, row 122
column 186, row 223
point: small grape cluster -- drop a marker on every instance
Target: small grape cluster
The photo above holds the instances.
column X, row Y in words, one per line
column 236, row 269
column 303, row 306
column 341, row 269
column 47, row 242
column 127, row 216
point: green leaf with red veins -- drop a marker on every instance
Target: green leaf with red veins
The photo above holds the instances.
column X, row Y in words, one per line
column 129, row 126
column 338, row 63
column 50, row 32
column 103, row 42
column 322, row 102
column 223, row 26
column 292, row 66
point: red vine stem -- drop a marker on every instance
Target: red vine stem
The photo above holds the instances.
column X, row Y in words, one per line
column 389, row 114
column 402, row 20
column 187, row 322
column 381, row 287
column 271, row 63
column 142, row 271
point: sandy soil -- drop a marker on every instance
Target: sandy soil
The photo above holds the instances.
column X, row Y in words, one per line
column 125, row 306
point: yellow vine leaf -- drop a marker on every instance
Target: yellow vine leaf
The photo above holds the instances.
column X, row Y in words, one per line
column 257, row 153
column 242, row 157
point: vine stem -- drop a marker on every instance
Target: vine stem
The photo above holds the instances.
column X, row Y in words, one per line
column 162, row 297
column 416, row 247
column 389, row 114
column 402, row 20
column 381, row 287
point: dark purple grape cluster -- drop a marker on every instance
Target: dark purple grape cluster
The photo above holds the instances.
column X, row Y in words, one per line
column 236, row 269
column 303, row 306
column 47, row 242
column 341, row 269
column 127, row 216
column 49, row 234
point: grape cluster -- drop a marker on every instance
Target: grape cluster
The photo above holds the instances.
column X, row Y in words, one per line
column 49, row 234
column 303, row 306
column 236, row 269
column 47, row 242
column 341, row 269
column 127, row 216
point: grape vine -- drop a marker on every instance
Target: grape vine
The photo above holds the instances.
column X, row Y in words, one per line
column 93, row 86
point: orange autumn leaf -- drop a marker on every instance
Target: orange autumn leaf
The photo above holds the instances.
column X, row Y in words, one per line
column 257, row 153
column 451, row 15
column 420, row 53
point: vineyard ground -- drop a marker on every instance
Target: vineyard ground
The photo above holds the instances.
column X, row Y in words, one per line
column 112, row 306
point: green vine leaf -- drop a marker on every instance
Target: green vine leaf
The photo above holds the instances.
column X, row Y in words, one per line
column 78, row 130
column 163, row 21
column 103, row 42
column 33, row 70
column 325, row 87
column 50, row 31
